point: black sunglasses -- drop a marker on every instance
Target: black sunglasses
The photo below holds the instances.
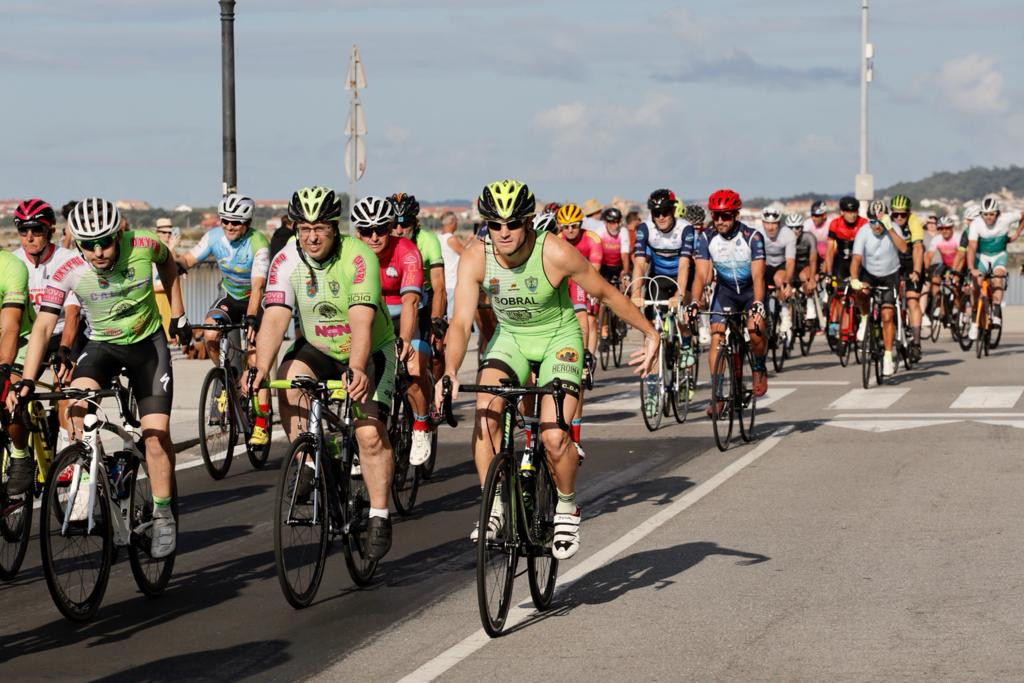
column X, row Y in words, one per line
column 899, row 214
column 661, row 213
column 101, row 242
column 34, row 229
column 380, row 230
column 511, row 225
column 723, row 215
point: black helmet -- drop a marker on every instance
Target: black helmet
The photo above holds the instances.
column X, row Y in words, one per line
column 407, row 209
column 663, row 200
column 611, row 214
column 849, row 204
column 695, row 215
column 818, row 208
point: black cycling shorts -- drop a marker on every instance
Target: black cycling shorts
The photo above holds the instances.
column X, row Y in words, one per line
column 890, row 282
column 235, row 309
column 146, row 364
column 906, row 268
column 380, row 370
column 841, row 268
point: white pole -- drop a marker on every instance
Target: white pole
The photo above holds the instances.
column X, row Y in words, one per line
column 864, row 183
column 353, row 179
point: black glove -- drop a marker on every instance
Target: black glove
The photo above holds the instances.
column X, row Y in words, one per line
column 22, row 384
column 438, row 327
column 253, row 322
column 181, row 328
column 693, row 310
column 63, row 357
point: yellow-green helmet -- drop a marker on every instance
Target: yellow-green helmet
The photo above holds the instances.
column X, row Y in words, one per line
column 315, row 204
column 680, row 209
column 900, row 202
column 506, row 200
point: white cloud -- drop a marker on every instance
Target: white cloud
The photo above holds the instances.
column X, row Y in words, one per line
column 972, row 84
column 561, row 117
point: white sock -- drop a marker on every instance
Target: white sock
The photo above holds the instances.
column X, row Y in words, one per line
column 379, row 512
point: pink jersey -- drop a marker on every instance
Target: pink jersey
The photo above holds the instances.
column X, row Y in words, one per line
column 589, row 245
column 613, row 246
column 401, row 271
column 820, row 234
column 946, row 248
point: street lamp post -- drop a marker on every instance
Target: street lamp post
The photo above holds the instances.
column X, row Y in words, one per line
column 864, row 183
column 227, row 63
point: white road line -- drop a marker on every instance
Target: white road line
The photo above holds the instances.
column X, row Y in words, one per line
column 877, row 398
column 810, row 382
column 460, row 651
column 773, row 395
column 879, row 426
column 928, row 415
column 988, row 397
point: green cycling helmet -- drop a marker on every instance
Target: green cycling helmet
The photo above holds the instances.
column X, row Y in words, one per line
column 315, row 204
column 900, row 202
column 506, row 200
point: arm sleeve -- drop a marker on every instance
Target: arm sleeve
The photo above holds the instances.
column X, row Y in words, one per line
column 63, row 280
column 279, row 288
column 260, row 262
column 15, row 285
column 859, row 243
column 973, row 232
column 700, row 247
column 640, row 248
column 596, row 249
column 201, row 251
column 411, row 265
column 363, row 270
column 623, row 241
column 916, row 231
column 756, row 246
column 790, row 246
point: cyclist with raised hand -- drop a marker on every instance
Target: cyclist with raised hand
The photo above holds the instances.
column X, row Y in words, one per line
column 35, row 221
column 876, row 262
column 842, row 230
column 113, row 278
column 242, row 254
column 333, row 282
column 735, row 254
column 401, row 284
column 528, row 273
column 806, row 262
column 817, row 226
column 987, row 238
column 779, row 261
column 911, row 265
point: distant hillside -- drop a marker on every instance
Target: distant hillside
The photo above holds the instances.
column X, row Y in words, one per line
column 963, row 185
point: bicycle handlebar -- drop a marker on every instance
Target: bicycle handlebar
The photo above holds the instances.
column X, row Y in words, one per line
column 221, row 327
column 556, row 391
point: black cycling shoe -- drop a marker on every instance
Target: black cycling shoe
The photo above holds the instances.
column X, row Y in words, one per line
column 378, row 538
column 20, row 473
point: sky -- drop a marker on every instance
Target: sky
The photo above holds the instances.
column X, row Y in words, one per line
column 121, row 98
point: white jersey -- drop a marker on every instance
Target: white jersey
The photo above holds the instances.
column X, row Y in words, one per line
column 451, row 260
column 39, row 273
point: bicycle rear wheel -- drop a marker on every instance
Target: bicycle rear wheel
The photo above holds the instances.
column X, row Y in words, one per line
column 300, row 525
column 76, row 560
column 217, row 430
column 151, row 575
column 496, row 558
column 652, row 397
column 15, row 524
column 258, row 455
column 542, row 568
column 723, row 379
column 405, row 483
column 620, row 339
column 685, row 384
column 746, row 401
column 356, row 500
column 995, row 336
column 606, row 336
column 427, row 468
column 964, row 323
column 868, row 354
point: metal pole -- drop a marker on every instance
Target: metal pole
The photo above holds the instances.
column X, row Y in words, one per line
column 227, row 62
column 355, row 175
column 864, row 87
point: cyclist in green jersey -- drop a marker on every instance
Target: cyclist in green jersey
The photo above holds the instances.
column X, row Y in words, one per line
column 333, row 282
column 527, row 274
column 113, row 278
column 16, row 318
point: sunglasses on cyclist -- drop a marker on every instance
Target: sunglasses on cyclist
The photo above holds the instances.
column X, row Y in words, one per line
column 570, row 226
column 900, row 214
column 225, row 221
column 101, row 242
column 661, row 213
column 723, row 215
column 511, row 225
column 35, row 229
column 380, row 231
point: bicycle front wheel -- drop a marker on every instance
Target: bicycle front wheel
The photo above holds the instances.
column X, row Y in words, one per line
column 356, row 500
column 15, row 523
column 217, row 430
column 76, row 559
column 619, row 337
column 606, row 337
column 300, row 524
column 258, row 455
column 405, row 483
column 723, row 379
column 868, row 354
column 542, row 567
column 746, row 401
column 151, row 575
column 496, row 557
column 685, row 384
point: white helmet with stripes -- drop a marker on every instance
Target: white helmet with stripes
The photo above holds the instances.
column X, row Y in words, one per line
column 236, row 207
column 372, row 212
column 93, row 218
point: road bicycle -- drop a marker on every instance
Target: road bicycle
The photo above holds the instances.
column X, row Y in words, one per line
column 95, row 503
column 320, row 494
column 732, row 396
column 979, row 317
column 525, row 490
column 804, row 330
column 843, row 315
column 873, row 346
column 225, row 414
column 613, row 331
column 406, row 481
column 779, row 342
column 670, row 388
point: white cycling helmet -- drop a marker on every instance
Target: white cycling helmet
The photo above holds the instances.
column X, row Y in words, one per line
column 770, row 214
column 372, row 212
column 971, row 212
column 989, row 205
column 93, row 218
column 795, row 220
column 236, row 207
column 545, row 222
column 946, row 222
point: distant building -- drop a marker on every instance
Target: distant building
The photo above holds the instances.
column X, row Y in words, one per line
column 273, row 204
column 132, row 205
column 210, row 220
column 183, row 208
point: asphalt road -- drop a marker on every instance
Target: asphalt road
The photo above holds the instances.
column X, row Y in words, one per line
column 864, row 535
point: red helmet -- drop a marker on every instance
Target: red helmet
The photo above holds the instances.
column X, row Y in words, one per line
column 724, row 200
column 34, row 211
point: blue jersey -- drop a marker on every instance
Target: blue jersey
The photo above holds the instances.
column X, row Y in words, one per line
column 664, row 249
column 732, row 256
column 239, row 261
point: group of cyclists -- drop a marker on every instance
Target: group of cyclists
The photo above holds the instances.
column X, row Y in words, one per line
column 364, row 303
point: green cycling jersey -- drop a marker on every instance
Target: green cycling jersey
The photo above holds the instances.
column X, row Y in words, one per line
column 14, row 293
column 430, row 251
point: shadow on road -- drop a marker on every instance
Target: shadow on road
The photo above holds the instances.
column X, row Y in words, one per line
column 197, row 502
column 646, row 569
column 601, row 418
column 228, row 663
column 660, row 491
